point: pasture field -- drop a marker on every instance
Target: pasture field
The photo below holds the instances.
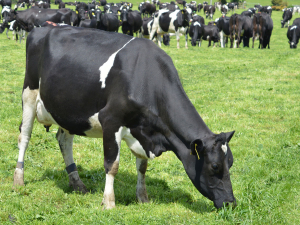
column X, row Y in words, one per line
column 254, row 92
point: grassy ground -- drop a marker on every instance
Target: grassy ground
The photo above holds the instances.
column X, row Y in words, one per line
column 255, row 92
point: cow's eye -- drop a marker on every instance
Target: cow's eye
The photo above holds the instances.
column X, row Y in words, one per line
column 215, row 166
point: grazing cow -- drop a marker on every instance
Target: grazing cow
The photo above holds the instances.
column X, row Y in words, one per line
column 32, row 17
column 131, row 21
column 223, row 26
column 4, row 26
column 142, row 112
column 242, row 25
column 293, row 33
column 199, row 7
column 147, row 8
column 263, row 26
column 286, row 16
column 176, row 22
column 196, row 31
column 146, row 30
column 209, row 10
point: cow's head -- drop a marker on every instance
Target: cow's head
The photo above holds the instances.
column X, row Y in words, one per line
column 184, row 16
column 166, row 39
column 124, row 14
column 81, row 10
column 210, row 174
column 98, row 15
column 293, row 36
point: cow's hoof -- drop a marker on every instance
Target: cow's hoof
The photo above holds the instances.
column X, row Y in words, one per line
column 19, row 177
column 142, row 198
column 108, row 204
column 76, row 183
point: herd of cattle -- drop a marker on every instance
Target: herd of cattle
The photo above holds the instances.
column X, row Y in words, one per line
column 148, row 22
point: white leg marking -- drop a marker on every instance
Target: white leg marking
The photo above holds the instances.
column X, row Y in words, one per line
column 105, row 68
column 109, row 195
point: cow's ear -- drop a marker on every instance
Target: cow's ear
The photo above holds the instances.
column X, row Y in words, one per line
column 197, row 147
column 229, row 136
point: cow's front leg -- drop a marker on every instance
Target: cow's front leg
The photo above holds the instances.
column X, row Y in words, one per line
column 7, row 33
column 177, row 38
column 186, row 41
column 159, row 40
column 141, row 192
column 112, row 137
column 65, row 141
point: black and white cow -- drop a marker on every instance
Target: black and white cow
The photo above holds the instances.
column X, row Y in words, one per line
column 293, row 33
column 196, row 32
column 147, row 8
column 224, row 10
column 32, row 17
column 286, row 16
column 223, row 26
column 209, row 11
column 263, row 26
column 146, row 30
column 240, row 26
column 81, row 10
column 231, row 6
column 199, row 7
column 142, row 112
column 18, row 32
column 253, row 10
column 177, row 22
column 266, row 9
column 210, row 33
column 108, row 22
column 62, row 5
column 131, row 21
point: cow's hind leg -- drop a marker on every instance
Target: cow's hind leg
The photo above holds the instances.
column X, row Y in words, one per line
column 141, row 192
column 65, row 141
column 29, row 113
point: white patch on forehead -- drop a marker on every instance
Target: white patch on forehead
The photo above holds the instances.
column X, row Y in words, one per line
column 5, row 9
column 250, row 10
column 293, row 27
column 189, row 10
column 197, row 24
column 105, row 68
column 216, row 20
column 269, row 7
column 224, row 148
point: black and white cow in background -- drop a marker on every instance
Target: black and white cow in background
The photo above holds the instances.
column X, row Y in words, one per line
column 196, row 31
column 253, row 10
column 32, row 17
column 108, row 22
column 293, row 33
column 224, row 10
column 296, row 9
column 223, row 26
column 5, row 3
column 263, row 26
column 18, row 32
column 240, row 26
column 199, row 7
column 210, row 33
column 286, row 16
column 131, row 21
column 209, row 10
column 176, row 22
column 247, row 13
column 146, row 30
column 147, row 8
column 231, row 7
column 266, row 9
column 147, row 117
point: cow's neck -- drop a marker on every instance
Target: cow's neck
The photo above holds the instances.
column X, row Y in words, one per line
column 184, row 122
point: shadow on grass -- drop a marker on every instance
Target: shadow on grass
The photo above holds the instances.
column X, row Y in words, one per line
column 125, row 186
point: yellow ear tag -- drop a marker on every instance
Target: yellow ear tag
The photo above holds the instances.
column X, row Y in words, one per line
column 76, row 12
column 196, row 151
column 182, row 12
column 119, row 13
column 93, row 13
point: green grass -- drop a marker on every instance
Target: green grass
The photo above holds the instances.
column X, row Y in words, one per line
column 254, row 92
